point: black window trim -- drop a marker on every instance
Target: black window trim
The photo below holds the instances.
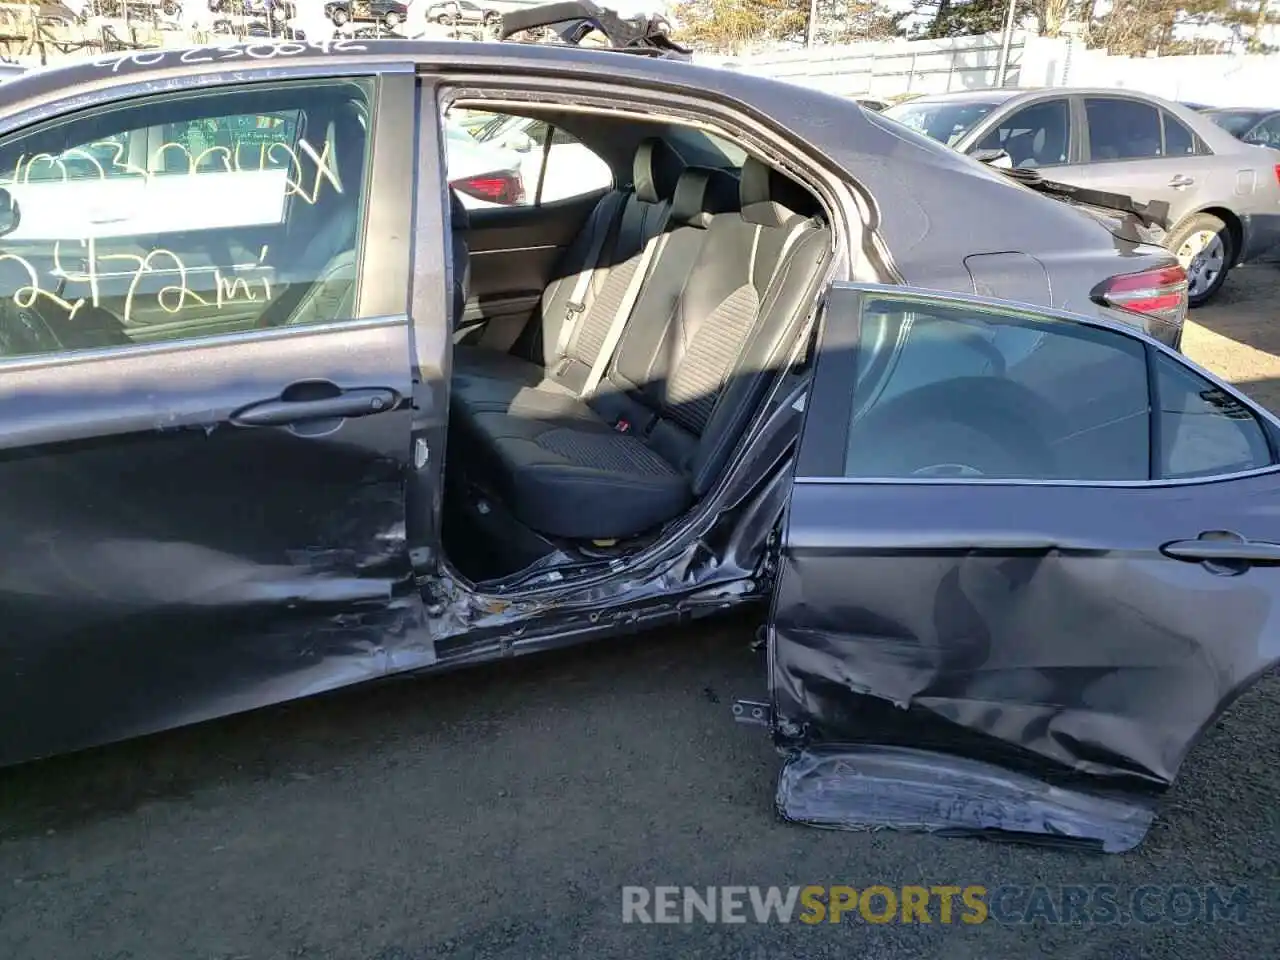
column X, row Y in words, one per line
column 833, row 439
column 1198, row 147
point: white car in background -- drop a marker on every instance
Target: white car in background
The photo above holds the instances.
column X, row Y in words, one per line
column 571, row 169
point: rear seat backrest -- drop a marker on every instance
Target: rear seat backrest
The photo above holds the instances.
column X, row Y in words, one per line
column 644, row 209
column 725, row 300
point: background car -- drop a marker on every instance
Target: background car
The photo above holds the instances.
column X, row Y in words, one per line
column 390, row 13
column 1249, row 125
column 463, row 12
column 484, row 175
column 1223, row 196
column 276, row 10
column 570, row 168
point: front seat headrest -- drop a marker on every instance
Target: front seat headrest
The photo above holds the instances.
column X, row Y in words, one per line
column 656, row 171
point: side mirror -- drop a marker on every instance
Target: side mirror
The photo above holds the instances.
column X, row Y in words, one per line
column 10, row 214
column 995, row 158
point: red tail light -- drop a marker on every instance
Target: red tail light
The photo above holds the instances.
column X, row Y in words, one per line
column 1278, row 173
column 1159, row 293
column 501, row 186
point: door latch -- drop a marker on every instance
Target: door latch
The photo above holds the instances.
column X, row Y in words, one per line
column 753, row 712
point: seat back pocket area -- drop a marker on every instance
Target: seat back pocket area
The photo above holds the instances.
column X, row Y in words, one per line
column 671, row 316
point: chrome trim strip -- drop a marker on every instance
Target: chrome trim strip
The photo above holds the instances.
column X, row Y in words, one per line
column 540, row 246
column 991, row 482
column 161, row 347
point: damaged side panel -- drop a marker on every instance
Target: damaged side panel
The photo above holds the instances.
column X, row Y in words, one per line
column 1019, row 658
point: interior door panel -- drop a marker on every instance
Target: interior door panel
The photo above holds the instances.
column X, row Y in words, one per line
column 514, row 255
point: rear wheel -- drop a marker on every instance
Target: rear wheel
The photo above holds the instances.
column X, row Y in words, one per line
column 1204, row 246
column 391, row 20
column 339, row 16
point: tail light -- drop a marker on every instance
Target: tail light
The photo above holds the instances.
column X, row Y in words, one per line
column 1278, row 173
column 500, row 186
column 1160, row 293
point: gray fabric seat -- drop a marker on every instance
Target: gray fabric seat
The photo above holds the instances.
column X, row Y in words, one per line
column 733, row 279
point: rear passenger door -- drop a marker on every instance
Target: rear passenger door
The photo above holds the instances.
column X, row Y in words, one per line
column 1138, row 149
column 203, row 453
column 1016, row 532
column 518, row 239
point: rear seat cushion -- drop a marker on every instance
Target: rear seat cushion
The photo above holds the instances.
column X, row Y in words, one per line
column 578, row 478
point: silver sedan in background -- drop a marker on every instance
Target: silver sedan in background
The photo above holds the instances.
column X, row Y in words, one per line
column 1223, row 194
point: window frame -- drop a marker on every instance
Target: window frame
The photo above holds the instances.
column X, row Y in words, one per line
column 1198, row 147
column 824, row 441
column 384, row 218
column 989, row 127
column 1088, row 156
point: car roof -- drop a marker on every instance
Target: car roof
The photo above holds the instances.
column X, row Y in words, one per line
column 1255, row 111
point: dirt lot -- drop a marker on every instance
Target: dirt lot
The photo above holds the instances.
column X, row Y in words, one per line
column 497, row 813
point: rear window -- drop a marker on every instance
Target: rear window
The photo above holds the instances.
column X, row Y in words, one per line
column 1235, row 122
column 944, row 122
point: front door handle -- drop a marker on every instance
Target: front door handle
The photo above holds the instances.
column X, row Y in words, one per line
column 1223, row 547
column 1179, row 182
column 348, row 403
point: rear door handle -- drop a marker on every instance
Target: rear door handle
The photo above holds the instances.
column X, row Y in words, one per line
column 350, row 403
column 1223, row 547
column 1180, row 181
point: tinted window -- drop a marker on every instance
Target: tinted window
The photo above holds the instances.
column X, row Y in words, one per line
column 1179, row 141
column 1122, row 129
column 1035, row 136
column 1204, row 431
column 186, row 217
column 945, row 122
column 1266, row 133
column 1235, row 122
column 947, row 391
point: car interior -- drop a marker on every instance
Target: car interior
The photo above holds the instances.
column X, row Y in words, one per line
column 611, row 351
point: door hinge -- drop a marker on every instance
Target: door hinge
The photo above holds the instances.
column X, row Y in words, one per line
column 754, row 712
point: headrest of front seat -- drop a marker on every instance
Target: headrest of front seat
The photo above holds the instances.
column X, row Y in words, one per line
column 656, row 170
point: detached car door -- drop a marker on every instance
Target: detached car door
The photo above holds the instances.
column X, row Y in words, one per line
column 1023, row 548
column 204, row 405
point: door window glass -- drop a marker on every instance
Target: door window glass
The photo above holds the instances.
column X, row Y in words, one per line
column 1204, row 431
column 1122, row 129
column 1035, row 136
column 1179, row 141
column 946, row 391
column 497, row 160
column 184, row 216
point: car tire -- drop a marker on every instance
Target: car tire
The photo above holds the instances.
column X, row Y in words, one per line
column 1205, row 247
column 391, row 20
column 339, row 16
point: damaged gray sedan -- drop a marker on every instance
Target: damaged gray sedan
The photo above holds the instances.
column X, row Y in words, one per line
column 281, row 415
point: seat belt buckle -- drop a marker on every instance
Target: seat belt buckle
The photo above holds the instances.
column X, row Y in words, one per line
column 573, row 310
column 622, row 425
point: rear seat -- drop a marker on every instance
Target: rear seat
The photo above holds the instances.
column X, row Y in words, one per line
column 573, row 333
column 723, row 301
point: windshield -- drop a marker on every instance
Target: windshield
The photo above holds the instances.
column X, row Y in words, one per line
column 945, row 122
column 1235, row 122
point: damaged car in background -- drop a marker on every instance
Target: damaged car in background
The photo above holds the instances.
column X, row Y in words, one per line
column 282, row 414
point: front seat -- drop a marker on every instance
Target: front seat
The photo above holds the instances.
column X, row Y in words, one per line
column 323, row 272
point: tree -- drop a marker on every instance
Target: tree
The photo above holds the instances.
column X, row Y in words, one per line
column 727, row 26
column 1137, row 27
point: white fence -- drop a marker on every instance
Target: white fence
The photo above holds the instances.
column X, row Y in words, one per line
column 968, row 63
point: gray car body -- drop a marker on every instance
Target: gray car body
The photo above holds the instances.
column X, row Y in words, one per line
column 1234, row 180
column 831, row 553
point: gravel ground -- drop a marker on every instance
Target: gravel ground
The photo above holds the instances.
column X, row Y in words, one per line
column 496, row 813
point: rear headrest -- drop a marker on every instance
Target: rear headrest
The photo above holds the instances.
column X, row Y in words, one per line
column 701, row 193
column 770, row 198
column 655, row 171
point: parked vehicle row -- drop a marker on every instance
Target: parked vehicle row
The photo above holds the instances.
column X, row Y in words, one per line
column 388, row 13
column 1223, row 195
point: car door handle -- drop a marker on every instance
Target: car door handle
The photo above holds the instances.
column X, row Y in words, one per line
column 349, row 403
column 1220, row 548
column 1180, row 181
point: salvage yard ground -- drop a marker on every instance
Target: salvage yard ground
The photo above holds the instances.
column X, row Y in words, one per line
column 498, row 812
